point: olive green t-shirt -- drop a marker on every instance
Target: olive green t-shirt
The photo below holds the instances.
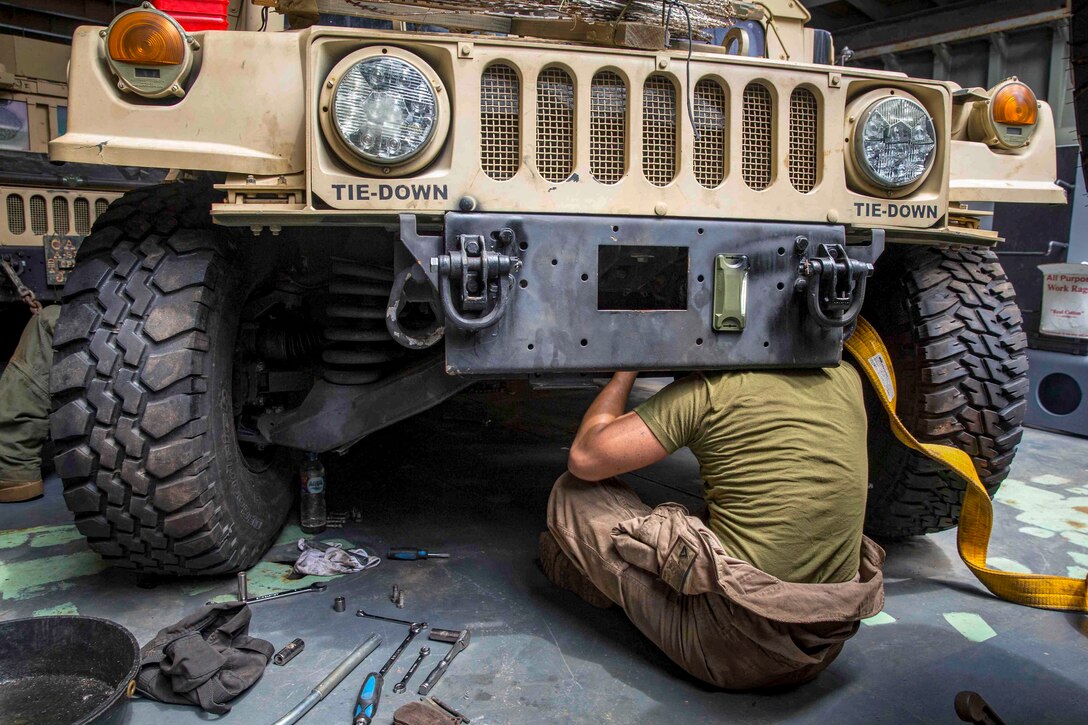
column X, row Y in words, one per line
column 783, row 459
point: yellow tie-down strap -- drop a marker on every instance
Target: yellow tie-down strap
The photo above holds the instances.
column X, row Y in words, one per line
column 977, row 515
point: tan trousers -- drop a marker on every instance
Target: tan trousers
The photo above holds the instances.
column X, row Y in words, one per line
column 720, row 619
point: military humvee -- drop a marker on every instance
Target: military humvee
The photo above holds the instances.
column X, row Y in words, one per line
column 370, row 220
column 48, row 207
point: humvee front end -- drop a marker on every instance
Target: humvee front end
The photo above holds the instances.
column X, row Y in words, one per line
column 370, row 220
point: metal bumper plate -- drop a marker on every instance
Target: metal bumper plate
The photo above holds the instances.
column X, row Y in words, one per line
column 553, row 323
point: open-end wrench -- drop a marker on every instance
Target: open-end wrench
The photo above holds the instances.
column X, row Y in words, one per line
column 315, row 587
column 403, row 684
column 361, row 613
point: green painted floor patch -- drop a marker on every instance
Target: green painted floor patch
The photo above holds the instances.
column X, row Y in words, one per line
column 1078, row 557
column 55, row 536
column 879, row 618
column 971, row 626
column 27, row 579
column 1036, row 531
column 66, row 608
column 1048, row 479
column 1047, row 509
column 39, row 536
column 1076, row 572
column 1075, row 538
column 1004, row 564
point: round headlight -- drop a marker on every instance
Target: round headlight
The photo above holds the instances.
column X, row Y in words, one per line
column 895, row 142
column 385, row 110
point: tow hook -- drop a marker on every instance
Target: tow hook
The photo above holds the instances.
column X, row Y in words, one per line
column 833, row 285
column 485, row 276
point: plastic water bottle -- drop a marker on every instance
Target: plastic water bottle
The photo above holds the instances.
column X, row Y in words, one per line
column 312, row 501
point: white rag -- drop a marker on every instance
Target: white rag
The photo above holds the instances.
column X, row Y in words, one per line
column 319, row 559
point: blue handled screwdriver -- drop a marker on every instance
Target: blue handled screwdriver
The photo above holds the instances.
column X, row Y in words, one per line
column 407, row 553
column 367, row 703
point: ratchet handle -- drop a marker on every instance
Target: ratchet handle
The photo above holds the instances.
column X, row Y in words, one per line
column 366, row 706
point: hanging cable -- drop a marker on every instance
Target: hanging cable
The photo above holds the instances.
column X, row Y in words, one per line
column 691, row 43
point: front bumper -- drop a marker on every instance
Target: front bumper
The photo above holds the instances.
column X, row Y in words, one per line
column 576, row 270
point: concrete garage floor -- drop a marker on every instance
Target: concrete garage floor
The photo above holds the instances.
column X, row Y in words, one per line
column 472, row 479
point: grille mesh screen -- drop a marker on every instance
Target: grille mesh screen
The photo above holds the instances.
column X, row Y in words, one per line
column 61, row 223
column 39, row 223
column 555, row 124
column 708, row 159
column 756, row 137
column 607, row 127
column 659, row 130
column 82, row 209
column 16, row 214
column 500, row 127
column 804, row 132
column 100, row 206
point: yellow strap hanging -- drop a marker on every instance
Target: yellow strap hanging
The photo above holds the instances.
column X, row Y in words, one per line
column 976, row 517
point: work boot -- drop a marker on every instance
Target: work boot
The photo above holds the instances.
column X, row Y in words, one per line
column 562, row 572
column 15, row 491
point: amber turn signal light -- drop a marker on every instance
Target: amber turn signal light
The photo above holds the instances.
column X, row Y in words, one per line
column 1015, row 105
column 147, row 39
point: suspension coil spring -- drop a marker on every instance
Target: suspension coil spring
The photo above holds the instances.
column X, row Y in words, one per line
column 358, row 347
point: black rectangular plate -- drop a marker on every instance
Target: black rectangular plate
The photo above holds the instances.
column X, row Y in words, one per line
column 553, row 323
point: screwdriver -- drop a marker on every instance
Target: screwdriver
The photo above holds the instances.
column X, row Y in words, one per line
column 407, row 553
column 369, row 695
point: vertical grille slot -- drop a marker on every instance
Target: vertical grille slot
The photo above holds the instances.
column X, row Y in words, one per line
column 607, row 127
column 711, row 120
column 804, row 132
column 61, row 222
column 100, row 206
column 500, row 122
column 82, row 209
column 555, row 124
column 39, row 222
column 659, row 130
column 16, row 214
column 756, row 136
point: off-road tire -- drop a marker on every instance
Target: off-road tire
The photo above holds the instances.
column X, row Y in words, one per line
column 949, row 319
column 141, row 386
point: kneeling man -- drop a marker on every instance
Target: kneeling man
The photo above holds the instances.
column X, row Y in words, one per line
column 764, row 593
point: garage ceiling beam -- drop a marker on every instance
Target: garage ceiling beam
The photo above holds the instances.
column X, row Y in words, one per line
column 949, row 24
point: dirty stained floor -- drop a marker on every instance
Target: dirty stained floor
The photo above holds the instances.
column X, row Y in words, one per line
column 472, row 477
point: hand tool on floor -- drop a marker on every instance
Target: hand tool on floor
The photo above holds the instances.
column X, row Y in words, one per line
column 362, row 613
column 448, row 709
column 315, row 587
column 331, row 680
column 289, row 651
column 243, row 591
column 407, row 553
column 370, row 694
column 460, row 642
column 403, row 684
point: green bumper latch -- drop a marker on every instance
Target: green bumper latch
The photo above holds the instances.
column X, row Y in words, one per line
column 730, row 292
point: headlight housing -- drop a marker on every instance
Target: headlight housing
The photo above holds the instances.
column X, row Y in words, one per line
column 149, row 52
column 895, row 142
column 384, row 111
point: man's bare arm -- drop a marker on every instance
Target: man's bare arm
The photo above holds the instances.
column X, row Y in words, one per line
column 610, row 442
